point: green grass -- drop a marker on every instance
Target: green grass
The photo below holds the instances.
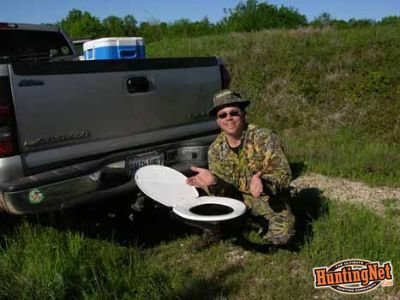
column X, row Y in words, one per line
column 332, row 94
column 346, row 153
column 38, row 261
column 43, row 263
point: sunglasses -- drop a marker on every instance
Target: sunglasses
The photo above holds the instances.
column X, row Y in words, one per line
column 233, row 113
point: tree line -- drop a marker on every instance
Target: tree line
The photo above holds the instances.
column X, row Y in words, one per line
column 250, row 15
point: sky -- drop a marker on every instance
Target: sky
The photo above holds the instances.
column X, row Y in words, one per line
column 51, row 11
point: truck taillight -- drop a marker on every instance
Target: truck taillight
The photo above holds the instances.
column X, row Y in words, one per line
column 7, row 121
column 6, row 148
column 6, row 141
column 225, row 77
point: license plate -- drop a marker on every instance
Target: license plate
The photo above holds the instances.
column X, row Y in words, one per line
column 132, row 164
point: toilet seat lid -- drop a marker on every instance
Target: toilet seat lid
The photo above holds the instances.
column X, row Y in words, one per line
column 164, row 185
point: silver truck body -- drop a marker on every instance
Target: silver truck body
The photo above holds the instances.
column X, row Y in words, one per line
column 81, row 127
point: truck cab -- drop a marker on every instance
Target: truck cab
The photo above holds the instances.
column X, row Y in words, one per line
column 26, row 42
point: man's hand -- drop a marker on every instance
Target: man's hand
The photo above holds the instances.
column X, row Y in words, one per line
column 204, row 178
column 256, row 186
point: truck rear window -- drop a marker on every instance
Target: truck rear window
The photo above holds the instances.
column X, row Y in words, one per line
column 32, row 45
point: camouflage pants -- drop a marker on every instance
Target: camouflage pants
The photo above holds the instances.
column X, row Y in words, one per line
column 277, row 219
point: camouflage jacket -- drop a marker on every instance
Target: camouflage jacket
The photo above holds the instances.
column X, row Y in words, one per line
column 260, row 150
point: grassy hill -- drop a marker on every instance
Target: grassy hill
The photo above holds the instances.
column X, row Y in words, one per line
column 333, row 95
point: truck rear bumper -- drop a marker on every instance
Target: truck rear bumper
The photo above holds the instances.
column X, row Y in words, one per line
column 62, row 188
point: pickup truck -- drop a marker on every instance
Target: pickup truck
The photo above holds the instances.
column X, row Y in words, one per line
column 76, row 131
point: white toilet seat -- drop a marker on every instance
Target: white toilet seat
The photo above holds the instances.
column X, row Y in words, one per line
column 168, row 187
column 183, row 209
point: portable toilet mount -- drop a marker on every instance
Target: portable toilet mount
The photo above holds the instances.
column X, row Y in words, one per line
column 114, row 48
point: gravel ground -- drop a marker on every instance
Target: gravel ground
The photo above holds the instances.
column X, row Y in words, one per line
column 340, row 189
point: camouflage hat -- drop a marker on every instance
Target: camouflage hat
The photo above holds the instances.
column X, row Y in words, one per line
column 226, row 98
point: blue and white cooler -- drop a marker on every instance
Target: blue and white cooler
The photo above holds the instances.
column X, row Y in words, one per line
column 114, row 48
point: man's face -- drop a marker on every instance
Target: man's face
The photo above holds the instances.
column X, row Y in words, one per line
column 231, row 120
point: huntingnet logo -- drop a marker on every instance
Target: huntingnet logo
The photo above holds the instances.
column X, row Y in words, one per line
column 354, row 276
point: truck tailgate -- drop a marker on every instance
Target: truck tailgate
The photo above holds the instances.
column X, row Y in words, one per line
column 62, row 103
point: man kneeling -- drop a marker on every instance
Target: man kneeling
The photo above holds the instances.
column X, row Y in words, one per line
column 248, row 162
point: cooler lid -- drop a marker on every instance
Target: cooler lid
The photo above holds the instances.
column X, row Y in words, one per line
column 164, row 185
column 113, row 41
